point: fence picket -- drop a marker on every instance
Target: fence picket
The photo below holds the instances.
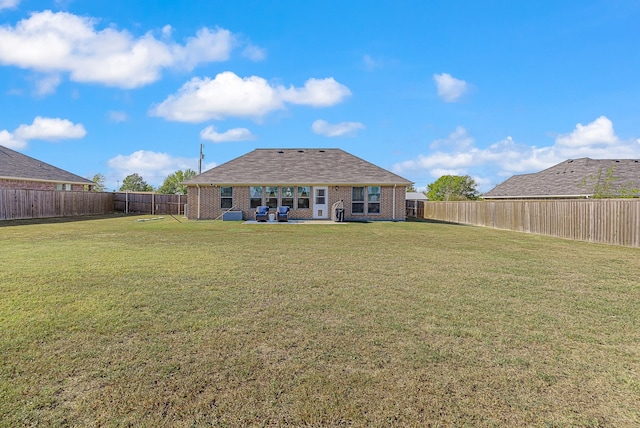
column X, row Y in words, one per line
column 607, row 221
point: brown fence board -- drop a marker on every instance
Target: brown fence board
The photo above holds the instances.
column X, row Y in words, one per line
column 607, row 221
column 27, row 204
column 149, row 203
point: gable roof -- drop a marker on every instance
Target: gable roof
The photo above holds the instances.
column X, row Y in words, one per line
column 574, row 178
column 16, row 166
column 298, row 166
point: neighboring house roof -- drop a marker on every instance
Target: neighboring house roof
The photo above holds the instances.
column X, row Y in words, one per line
column 416, row 196
column 16, row 166
column 574, row 178
column 298, row 166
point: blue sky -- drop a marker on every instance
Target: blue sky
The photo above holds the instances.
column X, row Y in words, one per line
column 422, row 88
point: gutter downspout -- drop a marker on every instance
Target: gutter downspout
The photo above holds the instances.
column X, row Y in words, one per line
column 198, row 186
column 394, row 202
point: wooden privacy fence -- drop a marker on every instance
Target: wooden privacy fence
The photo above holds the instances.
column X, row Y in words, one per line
column 149, row 203
column 27, row 204
column 607, row 221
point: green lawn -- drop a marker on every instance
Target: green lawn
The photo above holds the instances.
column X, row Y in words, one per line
column 113, row 322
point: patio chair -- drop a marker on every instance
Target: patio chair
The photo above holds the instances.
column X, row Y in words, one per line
column 283, row 213
column 262, row 212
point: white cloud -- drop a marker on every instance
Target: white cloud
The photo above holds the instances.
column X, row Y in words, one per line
column 458, row 139
column 491, row 165
column 8, row 4
column 167, row 30
column 317, row 93
column 449, row 88
column 228, row 95
column 118, row 116
column 207, row 46
column 42, row 128
column 598, row 132
column 59, row 42
column 7, row 139
column 153, row 167
column 50, row 129
column 369, row 63
column 254, row 53
column 322, row 127
column 47, row 85
column 236, row 134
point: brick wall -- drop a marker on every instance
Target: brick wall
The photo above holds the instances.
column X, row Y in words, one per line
column 26, row 185
column 35, row 185
column 210, row 203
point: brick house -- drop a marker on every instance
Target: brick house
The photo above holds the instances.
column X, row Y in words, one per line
column 309, row 181
column 21, row 172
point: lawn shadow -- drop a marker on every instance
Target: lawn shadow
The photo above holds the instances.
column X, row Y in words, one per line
column 431, row 221
column 56, row 220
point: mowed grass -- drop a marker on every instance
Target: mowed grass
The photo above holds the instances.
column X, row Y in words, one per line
column 113, row 322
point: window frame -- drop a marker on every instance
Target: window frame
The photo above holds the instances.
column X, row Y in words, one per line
column 287, row 196
column 357, row 202
column 375, row 201
column 301, row 198
column 366, row 202
column 269, row 199
column 253, row 198
column 227, row 199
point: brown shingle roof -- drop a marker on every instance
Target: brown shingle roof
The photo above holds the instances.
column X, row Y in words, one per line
column 572, row 178
column 298, row 166
column 14, row 165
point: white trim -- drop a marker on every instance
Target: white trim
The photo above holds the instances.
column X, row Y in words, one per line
column 320, row 211
column 393, row 210
column 198, row 186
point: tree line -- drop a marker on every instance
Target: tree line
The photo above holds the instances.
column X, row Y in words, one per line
column 172, row 185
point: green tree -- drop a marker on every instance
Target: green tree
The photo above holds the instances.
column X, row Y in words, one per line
column 100, row 180
column 453, row 188
column 135, row 183
column 173, row 183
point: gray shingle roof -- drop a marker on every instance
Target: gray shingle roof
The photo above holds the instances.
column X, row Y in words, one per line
column 571, row 178
column 298, row 166
column 416, row 196
column 14, row 165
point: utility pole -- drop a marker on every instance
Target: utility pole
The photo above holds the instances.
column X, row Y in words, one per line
column 200, row 160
